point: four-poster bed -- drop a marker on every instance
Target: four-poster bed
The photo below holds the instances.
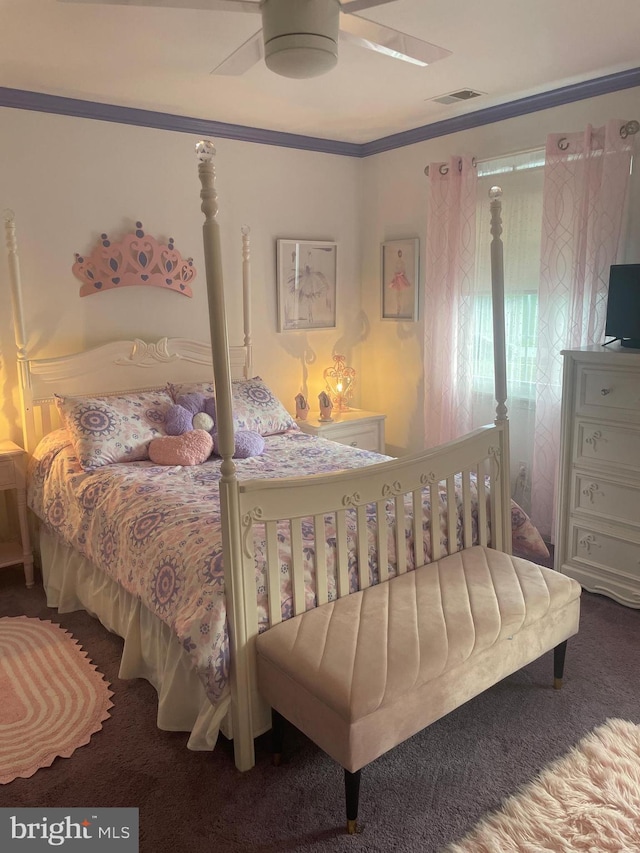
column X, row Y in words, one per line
column 264, row 543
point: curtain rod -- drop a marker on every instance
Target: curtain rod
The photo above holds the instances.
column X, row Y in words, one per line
column 477, row 162
column 630, row 128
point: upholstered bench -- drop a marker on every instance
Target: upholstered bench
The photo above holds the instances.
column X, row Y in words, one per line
column 361, row 674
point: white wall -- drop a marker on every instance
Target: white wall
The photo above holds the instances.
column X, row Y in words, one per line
column 393, row 205
column 69, row 179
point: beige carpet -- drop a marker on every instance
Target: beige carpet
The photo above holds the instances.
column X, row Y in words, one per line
column 589, row 801
column 52, row 697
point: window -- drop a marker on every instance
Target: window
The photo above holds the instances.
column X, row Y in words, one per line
column 521, row 333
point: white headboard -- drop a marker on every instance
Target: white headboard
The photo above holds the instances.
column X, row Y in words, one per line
column 111, row 369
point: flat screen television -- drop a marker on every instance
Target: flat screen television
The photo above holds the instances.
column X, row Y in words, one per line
column 623, row 305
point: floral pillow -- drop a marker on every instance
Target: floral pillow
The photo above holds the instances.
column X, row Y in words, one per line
column 526, row 539
column 179, row 389
column 111, row 429
column 255, row 407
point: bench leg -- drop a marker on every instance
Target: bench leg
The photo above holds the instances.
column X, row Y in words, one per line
column 277, row 736
column 352, row 795
column 558, row 664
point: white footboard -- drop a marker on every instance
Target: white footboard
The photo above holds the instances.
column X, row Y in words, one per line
column 347, row 530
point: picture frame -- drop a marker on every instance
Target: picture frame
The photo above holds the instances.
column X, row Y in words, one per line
column 307, row 284
column 400, row 274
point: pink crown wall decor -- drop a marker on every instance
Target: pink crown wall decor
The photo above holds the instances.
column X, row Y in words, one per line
column 136, row 259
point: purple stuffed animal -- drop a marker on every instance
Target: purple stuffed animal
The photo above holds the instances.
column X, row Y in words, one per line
column 191, row 411
column 196, row 411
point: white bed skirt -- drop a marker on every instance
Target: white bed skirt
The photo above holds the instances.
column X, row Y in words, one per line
column 150, row 651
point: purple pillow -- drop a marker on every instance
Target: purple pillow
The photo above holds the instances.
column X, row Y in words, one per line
column 247, row 443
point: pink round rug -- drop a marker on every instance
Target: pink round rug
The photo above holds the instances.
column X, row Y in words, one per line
column 53, row 698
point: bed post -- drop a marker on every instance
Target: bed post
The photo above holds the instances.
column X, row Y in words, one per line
column 246, row 298
column 231, row 539
column 26, row 408
column 500, row 364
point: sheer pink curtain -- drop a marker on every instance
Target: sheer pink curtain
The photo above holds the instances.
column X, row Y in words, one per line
column 450, row 269
column 585, row 185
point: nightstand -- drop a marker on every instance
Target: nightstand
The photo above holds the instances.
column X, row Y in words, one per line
column 356, row 428
column 13, row 461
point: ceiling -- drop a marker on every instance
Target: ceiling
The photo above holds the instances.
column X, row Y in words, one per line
column 160, row 59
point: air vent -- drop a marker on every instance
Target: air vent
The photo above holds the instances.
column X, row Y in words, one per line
column 456, row 97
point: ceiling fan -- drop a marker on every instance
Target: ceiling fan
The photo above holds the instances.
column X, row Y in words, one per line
column 299, row 38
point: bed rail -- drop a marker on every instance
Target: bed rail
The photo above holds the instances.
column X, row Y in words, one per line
column 421, row 507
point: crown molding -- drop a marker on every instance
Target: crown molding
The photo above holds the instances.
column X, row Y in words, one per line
column 523, row 106
column 25, row 100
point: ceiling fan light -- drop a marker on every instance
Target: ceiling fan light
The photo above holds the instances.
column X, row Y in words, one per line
column 301, row 55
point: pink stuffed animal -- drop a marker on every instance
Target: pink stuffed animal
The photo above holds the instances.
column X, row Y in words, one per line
column 192, row 448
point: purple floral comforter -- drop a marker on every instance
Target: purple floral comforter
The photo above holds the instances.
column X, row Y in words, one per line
column 156, row 530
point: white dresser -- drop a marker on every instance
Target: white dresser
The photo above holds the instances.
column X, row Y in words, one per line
column 598, row 516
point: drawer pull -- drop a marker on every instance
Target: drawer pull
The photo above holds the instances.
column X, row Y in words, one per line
column 590, row 490
column 354, row 444
column 588, row 542
column 594, row 438
column 605, row 391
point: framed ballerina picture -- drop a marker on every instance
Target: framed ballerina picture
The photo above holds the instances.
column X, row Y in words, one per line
column 307, row 271
column 399, row 264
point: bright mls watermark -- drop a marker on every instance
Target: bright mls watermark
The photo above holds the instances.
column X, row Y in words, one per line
column 80, row 830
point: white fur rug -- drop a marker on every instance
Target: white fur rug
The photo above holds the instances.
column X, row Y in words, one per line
column 589, row 801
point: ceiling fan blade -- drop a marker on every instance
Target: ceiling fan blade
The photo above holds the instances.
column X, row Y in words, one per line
column 210, row 5
column 350, row 6
column 390, row 42
column 243, row 58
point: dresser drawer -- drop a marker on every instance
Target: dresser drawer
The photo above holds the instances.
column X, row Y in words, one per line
column 612, row 551
column 365, row 437
column 7, row 474
column 606, row 445
column 604, row 498
column 608, row 393
column 354, row 427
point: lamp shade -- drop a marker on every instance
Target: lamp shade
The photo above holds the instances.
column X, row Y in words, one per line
column 340, row 379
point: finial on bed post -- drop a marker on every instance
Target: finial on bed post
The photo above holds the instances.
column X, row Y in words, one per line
column 239, row 595
column 246, row 294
